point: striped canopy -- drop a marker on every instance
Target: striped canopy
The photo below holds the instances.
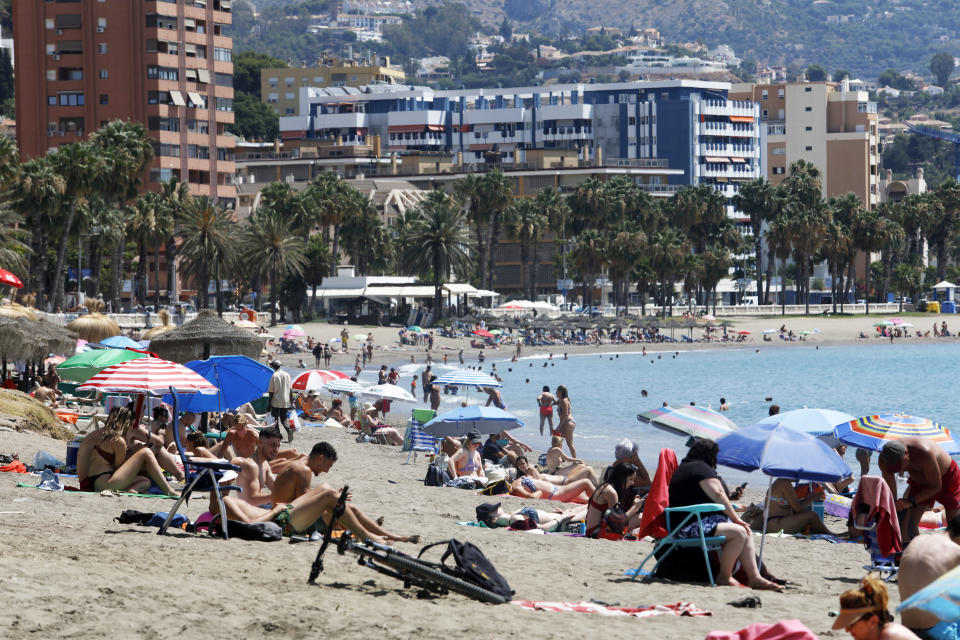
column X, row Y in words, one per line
column 689, row 420
column 82, row 366
column 316, row 378
column 343, row 385
column 467, row 378
column 148, row 376
column 872, row 432
column 941, row 597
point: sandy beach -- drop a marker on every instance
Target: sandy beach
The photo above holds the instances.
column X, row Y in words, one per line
column 69, row 571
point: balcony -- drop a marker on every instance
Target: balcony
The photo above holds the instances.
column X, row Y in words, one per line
column 727, row 108
column 419, row 118
column 665, row 190
column 776, row 129
column 737, row 150
column 492, row 116
column 340, row 121
column 565, row 112
column 727, row 129
column 730, row 171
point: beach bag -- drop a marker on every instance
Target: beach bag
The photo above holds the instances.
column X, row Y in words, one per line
column 616, row 520
column 132, row 516
column 496, row 488
column 257, row 532
column 436, row 476
column 472, row 566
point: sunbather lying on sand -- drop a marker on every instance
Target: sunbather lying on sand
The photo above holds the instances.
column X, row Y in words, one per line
column 528, row 486
column 103, row 463
column 493, row 515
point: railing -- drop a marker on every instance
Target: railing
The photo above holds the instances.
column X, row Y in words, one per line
column 666, row 189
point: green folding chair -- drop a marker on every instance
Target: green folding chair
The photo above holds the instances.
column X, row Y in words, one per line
column 671, row 542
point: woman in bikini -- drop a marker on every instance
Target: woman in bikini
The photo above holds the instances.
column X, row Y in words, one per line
column 610, row 513
column 574, row 470
column 567, row 423
column 467, row 462
column 529, row 484
column 791, row 514
column 103, row 464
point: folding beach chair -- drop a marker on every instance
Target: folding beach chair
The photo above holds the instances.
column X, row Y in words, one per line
column 657, row 521
column 200, row 475
column 871, row 512
column 415, row 439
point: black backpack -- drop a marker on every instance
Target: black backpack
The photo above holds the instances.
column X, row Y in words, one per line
column 436, row 477
column 496, row 488
column 472, row 566
column 131, row 516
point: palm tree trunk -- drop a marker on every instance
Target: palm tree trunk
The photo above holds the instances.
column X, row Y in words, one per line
column 202, row 286
column 783, row 287
column 335, row 252
column 524, row 270
column 942, row 260
column 534, row 267
column 59, row 272
column 494, row 238
column 171, row 254
column 771, row 262
column 141, row 276
column 218, row 288
column 156, row 278
column 116, row 275
column 39, row 260
column 479, row 260
column 273, row 298
column 806, row 289
column 96, row 265
column 866, row 277
column 758, row 255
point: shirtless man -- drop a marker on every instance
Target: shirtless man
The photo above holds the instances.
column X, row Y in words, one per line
column 545, row 401
column 574, row 469
column 256, row 479
column 934, row 476
column 924, row 560
column 295, row 482
column 241, row 437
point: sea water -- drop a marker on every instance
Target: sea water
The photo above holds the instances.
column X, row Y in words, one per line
column 605, row 388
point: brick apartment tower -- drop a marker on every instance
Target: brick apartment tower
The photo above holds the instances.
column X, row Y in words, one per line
column 164, row 63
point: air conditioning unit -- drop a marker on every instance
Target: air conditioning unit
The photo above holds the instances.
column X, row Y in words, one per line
column 59, row 32
column 101, row 29
column 56, row 56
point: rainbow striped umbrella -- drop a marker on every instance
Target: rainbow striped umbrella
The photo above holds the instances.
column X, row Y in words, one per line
column 689, row 420
column 872, row 432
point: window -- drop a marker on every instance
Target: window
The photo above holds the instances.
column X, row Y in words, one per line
column 171, row 150
column 101, row 25
column 104, row 74
column 104, row 98
column 52, row 100
column 224, row 104
column 161, row 22
column 808, row 148
column 780, row 93
column 66, row 47
column 161, row 175
column 224, row 154
column 102, row 47
column 764, row 94
column 273, row 98
column 68, row 21
column 318, row 79
column 224, row 79
column 159, row 46
column 808, row 128
column 223, row 55
column 290, row 112
column 70, row 99
column 274, row 82
column 779, row 151
column 289, row 80
column 51, row 49
column 158, row 97
column 763, row 115
column 156, row 123
column 808, row 108
column 51, row 74
column 48, row 23
column 196, row 151
column 808, row 89
column 162, row 73
column 289, row 96
column 779, row 171
column 70, row 73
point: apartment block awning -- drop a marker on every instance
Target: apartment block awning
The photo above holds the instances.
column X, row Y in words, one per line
column 435, row 127
column 195, row 99
column 406, row 128
column 715, row 159
column 204, row 76
column 738, row 160
column 744, row 119
column 177, row 98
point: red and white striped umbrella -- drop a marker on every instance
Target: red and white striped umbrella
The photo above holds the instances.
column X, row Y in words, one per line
column 8, row 278
column 148, row 376
column 316, row 378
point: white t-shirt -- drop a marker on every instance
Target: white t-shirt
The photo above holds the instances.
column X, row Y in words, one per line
column 280, row 388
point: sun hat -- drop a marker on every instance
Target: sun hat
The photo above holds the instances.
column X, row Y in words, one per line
column 846, row 617
column 474, row 436
column 367, row 406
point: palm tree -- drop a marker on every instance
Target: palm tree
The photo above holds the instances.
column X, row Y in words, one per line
column 909, row 280
column 467, row 190
column 669, row 247
column 841, row 245
column 757, row 199
column 554, row 205
column 868, row 239
column 779, row 244
column 80, row 167
column 205, row 230
column 944, row 226
column 496, row 194
column 435, row 243
column 270, row 244
column 176, row 197
column 916, row 210
column 527, row 223
column 588, row 258
column 625, row 249
column 38, row 194
column 325, row 196
column 144, row 228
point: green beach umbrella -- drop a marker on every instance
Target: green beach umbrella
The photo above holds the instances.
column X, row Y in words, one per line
column 84, row 366
column 414, row 329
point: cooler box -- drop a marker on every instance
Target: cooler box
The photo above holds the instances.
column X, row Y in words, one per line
column 73, row 447
column 933, row 307
column 948, row 306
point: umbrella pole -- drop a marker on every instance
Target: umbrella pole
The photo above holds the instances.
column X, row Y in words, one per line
column 766, row 513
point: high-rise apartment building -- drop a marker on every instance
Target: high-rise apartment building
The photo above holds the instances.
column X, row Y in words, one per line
column 164, row 63
column 825, row 123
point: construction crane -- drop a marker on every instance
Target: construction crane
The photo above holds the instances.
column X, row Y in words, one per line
column 946, row 136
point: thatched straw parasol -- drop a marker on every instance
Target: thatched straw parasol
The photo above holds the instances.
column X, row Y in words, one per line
column 204, row 336
column 24, row 339
column 94, row 326
column 164, row 326
column 14, row 310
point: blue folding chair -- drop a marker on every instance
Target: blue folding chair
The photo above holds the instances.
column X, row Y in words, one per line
column 200, row 475
column 671, row 542
column 415, row 439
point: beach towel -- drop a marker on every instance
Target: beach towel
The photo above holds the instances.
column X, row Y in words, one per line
column 783, row 630
column 837, row 505
column 23, row 485
column 875, row 493
column 678, row 609
column 14, row 467
column 49, row 481
column 653, row 523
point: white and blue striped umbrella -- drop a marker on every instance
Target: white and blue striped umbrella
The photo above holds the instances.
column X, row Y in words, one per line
column 467, row 378
column 343, row 385
column 462, row 420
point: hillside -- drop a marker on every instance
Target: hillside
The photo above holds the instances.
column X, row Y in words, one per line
column 862, row 36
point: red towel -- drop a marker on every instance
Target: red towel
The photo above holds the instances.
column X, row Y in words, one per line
column 653, row 523
column 873, row 491
column 783, row 630
column 14, row 467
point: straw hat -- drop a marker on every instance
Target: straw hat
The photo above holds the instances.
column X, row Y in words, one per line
column 367, row 407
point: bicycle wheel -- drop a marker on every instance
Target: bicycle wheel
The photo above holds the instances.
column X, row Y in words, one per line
column 411, row 565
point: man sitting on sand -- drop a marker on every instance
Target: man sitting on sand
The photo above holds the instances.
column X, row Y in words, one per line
column 256, row 479
column 628, row 452
column 933, row 476
column 924, row 560
column 241, row 437
column 295, row 482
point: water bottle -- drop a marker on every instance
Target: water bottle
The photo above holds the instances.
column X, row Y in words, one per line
column 43, row 459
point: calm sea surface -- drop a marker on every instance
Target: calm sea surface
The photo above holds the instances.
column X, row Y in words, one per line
column 917, row 379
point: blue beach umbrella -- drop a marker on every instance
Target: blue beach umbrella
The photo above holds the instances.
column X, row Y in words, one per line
column 780, row 453
column 121, row 342
column 238, row 378
column 941, row 597
column 461, row 420
column 818, row 423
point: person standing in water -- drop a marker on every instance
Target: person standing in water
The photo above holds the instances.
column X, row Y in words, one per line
column 546, row 400
column 565, row 414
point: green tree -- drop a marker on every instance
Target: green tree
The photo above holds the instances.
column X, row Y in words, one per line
column 246, row 71
column 506, row 31
column 909, row 280
column 588, row 258
column 867, row 238
column 757, row 199
column 840, row 75
column 269, row 241
column 6, row 78
column 527, row 223
column 253, row 119
column 207, row 234
column 816, row 73
column 435, row 243
column 668, row 249
column 941, row 66
column 943, row 228
column 176, row 198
